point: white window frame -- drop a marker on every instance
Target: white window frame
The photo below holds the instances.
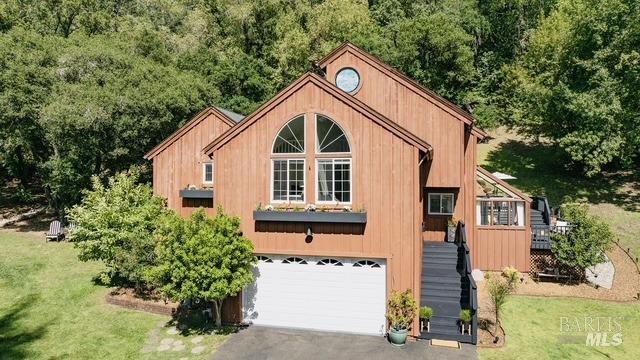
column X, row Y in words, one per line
column 204, row 173
column 519, row 206
column 304, row 181
column 440, row 195
column 333, row 160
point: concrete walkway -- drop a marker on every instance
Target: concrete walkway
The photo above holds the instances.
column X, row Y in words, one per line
column 258, row 342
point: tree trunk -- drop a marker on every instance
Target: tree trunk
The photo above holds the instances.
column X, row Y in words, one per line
column 217, row 310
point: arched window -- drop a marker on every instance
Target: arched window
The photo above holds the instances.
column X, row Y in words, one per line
column 290, row 139
column 333, row 174
column 287, row 183
column 367, row 263
column 333, row 262
column 329, row 137
column 294, row 260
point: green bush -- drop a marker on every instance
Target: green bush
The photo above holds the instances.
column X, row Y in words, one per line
column 401, row 309
column 203, row 258
column 116, row 225
column 585, row 244
column 426, row 313
column 466, row 316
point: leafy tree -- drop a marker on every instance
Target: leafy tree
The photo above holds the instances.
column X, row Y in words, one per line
column 578, row 83
column 203, row 258
column 116, row 225
column 585, row 244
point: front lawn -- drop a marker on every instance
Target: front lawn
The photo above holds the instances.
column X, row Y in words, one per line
column 533, row 328
column 51, row 308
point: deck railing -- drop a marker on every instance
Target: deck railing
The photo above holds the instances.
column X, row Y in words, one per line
column 466, row 272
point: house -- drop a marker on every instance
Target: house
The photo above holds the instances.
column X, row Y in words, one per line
column 386, row 163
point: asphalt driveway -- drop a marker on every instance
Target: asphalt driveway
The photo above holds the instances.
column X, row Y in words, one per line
column 258, row 342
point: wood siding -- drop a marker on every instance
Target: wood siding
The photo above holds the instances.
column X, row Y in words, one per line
column 415, row 112
column 497, row 247
column 384, row 182
column 180, row 164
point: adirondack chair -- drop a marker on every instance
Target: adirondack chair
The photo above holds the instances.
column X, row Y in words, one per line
column 55, row 232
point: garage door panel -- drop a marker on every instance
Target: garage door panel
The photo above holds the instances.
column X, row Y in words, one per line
column 322, row 297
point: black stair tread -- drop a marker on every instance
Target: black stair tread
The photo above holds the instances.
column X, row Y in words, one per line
column 433, row 335
column 440, row 261
column 443, row 286
column 432, row 270
column 440, row 255
column 455, row 293
column 454, row 330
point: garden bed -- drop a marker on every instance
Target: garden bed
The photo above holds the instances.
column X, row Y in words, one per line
column 126, row 298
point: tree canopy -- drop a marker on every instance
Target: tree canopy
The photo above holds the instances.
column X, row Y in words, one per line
column 87, row 87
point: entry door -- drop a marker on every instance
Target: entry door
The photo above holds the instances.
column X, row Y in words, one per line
column 319, row 293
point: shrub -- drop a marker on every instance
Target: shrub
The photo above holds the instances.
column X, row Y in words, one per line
column 512, row 275
column 115, row 224
column 466, row 316
column 585, row 244
column 426, row 313
column 203, row 258
column 499, row 290
column 401, row 309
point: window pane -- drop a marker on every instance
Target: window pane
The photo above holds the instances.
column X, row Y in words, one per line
column 296, row 180
column 325, row 180
column 434, row 203
column 447, row 203
column 485, row 212
column 290, row 140
column 501, row 212
column 208, row 172
column 343, row 185
column 330, row 137
column 280, row 180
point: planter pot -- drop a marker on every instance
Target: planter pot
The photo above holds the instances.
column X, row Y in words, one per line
column 398, row 337
column 451, row 234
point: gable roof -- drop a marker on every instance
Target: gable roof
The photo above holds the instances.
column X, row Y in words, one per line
column 331, row 89
column 231, row 115
column 222, row 114
column 503, row 183
column 426, row 93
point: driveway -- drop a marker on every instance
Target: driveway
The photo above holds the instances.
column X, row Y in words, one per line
column 258, row 342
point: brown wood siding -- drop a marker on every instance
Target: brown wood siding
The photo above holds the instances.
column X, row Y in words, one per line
column 497, row 247
column 180, row 164
column 382, row 168
column 414, row 112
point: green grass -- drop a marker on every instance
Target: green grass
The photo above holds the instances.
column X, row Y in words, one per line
column 540, row 170
column 533, row 328
column 51, row 308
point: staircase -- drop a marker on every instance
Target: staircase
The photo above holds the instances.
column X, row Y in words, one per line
column 445, row 288
column 540, row 224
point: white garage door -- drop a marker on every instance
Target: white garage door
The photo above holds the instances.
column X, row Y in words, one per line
column 320, row 293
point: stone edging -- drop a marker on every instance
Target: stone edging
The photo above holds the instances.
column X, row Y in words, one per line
column 141, row 305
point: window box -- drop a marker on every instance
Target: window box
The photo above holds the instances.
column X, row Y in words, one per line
column 196, row 194
column 311, row 216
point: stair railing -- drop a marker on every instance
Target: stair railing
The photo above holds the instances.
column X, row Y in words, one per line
column 467, row 269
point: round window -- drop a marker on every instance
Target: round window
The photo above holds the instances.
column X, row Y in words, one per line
column 348, row 80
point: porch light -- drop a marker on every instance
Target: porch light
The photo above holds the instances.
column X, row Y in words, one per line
column 309, row 231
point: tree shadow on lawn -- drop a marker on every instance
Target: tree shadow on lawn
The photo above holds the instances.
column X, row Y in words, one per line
column 195, row 323
column 542, row 169
column 14, row 338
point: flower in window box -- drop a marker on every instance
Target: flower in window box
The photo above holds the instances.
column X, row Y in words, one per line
column 310, row 207
column 347, row 208
column 268, row 208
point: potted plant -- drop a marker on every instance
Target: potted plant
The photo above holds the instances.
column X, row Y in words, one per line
column 465, row 320
column 425, row 315
column 401, row 312
column 452, row 226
